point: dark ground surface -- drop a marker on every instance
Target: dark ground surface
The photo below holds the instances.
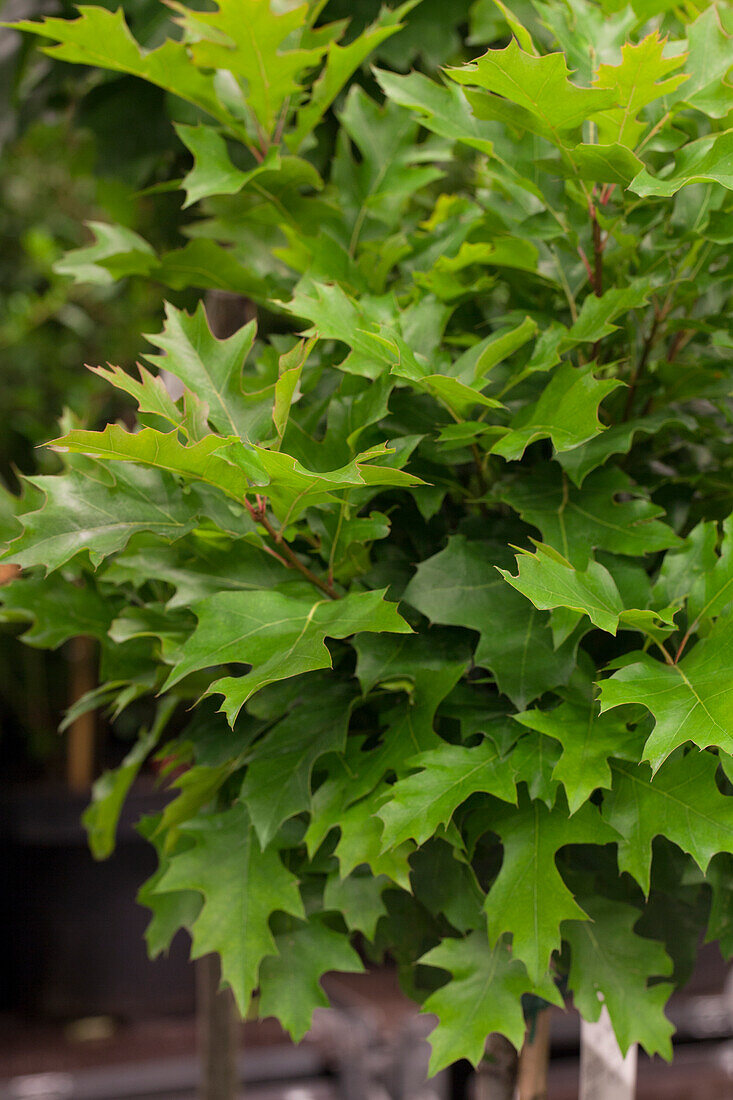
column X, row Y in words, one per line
column 373, row 1031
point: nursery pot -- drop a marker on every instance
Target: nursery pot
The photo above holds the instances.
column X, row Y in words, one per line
column 75, row 942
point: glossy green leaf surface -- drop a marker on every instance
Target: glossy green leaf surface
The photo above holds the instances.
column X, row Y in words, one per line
column 529, row 898
column 278, row 636
column 611, row 961
column 226, row 862
column 690, row 700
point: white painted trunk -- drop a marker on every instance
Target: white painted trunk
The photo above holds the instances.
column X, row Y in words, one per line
column 604, row 1072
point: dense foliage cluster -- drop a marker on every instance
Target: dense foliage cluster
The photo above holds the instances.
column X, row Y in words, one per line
column 442, row 557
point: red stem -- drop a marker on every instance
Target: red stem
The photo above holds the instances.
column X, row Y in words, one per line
column 287, row 556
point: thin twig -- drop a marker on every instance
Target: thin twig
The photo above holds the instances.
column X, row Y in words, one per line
column 274, row 554
column 289, row 558
column 586, row 262
column 262, row 136
column 566, row 286
column 598, row 246
column 660, row 316
column 481, row 477
column 684, row 642
column 641, row 365
column 277, row 138
column 478, row 463
column 596, row 275
column 677, row 343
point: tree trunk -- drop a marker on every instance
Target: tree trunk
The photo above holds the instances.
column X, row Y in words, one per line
column 228, row 312
column 217, row 1033
column 534, row 1059
column 605, row 1074
column 81, row 740
column 496, row 1077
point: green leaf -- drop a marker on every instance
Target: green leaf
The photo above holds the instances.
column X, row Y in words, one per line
column 597, row 314
column 152, row 620
column 550, row 581
column 425, row 666
column 164, row 451
column 116, row 253
column 686, row 568
column 277, row 635
column 681, row 802
column 198, row 569
column 242, row 887
column 213, row 172
column 611, row 966
column 608, row 513
column 290, row 370
column 418, row 805
column 643, row 76
column 57, row 608
column 543, row 99
column 102, row 39
column 690, row 701
column 212, row 369
column 197, row 788
column 720, row 926
column 110, row 790
column 442, row 108
column 566, row 412
column 443, row 879
column 501, row 346
column 483, row 996
column 84, row 513
column 707, row 160
column 708, row 64
column 341, row 63
column 207, row 265
column 712, row 594
column 458, row 398
column 529, row 898
column 588, row 740
column 361, row 843
column 358, row 899
column 337, row 316
column 278, row 781
column 460, row 587
column 615, row 440
column 491, row 18
column 170, row 911
column 290, row 980
column 349, row 780
column 291, row 488
column 377, row 187
column 248, row 40
column 423, row 670
column 597, row 163
column 533, row 760
column 150, row 392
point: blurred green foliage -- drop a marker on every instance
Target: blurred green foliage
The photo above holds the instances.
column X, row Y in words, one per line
column 49, row 326
column 80, row 145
